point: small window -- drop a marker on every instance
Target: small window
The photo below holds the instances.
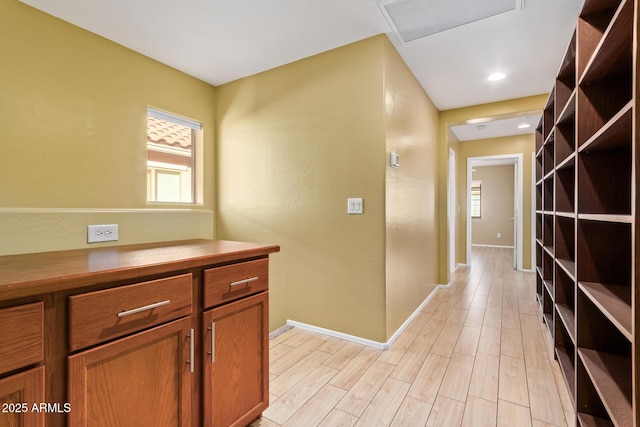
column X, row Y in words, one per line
column 171, row 152
column 476, row 196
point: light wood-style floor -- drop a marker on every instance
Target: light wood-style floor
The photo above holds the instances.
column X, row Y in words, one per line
column 478, row 354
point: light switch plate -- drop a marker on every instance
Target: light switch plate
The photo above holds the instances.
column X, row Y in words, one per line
column 355, row 206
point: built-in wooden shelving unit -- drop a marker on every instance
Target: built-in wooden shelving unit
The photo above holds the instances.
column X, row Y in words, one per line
column 585, row 214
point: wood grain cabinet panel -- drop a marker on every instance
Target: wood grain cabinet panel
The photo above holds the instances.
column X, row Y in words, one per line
column 18, row 395
column 236, row 367
column 141, row 380
column 231, row 282
column 21, row 340
column 96, row 317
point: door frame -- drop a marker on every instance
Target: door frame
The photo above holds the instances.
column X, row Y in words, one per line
column 517, row 160
column 451, row 208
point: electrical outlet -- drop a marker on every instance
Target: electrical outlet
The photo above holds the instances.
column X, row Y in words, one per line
column 499, row 236
column 102, row 233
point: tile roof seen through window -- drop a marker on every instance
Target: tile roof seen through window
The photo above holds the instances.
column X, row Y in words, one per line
column 162, row 132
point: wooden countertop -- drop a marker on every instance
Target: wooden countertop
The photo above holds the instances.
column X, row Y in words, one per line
column 39, row 273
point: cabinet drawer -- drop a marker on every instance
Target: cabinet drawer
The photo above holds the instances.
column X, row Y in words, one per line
column 98, row 316
column 22, row 336
column 228, row 283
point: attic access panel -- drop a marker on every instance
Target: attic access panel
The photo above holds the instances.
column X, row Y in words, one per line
column 414, row 19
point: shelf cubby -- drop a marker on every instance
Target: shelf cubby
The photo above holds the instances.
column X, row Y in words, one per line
column 538, row 136
column 565, row 301
column 605, row 354
column 613, row 55
column 565, row 353
column 547, row 306
column 566, row 79
column 604, row 252
column 565, row 184
column 548, row 152
column 598, row 103
column 539, row 196
column 548, row 117
column 539, row 285
column 547, row 205
column 565, row 136
column 593, row 22
column 590, row 410
column 564, row 244
column 539, row 227
column 604, row 181
column 547, row 233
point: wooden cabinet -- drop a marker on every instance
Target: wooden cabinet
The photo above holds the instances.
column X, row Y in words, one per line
column 20, row 398
column 99, row 316
column 21, row 346
column 236, row 367
column 120, row 336
column 587, row 266
column 143, row 379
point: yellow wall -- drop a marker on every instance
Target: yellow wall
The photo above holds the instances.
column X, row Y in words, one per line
column 486, row 148
column 496, row 206
column 293, row 144
column 411, row 123
column 73, row 135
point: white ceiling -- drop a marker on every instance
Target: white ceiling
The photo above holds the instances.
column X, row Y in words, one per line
column 495, row 127
column 219, row 41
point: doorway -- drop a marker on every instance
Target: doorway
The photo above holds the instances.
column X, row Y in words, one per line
column 509, row 159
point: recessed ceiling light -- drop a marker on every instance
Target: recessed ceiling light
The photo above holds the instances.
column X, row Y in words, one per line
column 524, row 126
column 496, row 76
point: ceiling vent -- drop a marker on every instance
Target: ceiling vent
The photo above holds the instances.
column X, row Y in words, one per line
column 414, row 19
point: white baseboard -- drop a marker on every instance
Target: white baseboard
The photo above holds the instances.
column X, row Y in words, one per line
column 364, row 341
column 492, row 246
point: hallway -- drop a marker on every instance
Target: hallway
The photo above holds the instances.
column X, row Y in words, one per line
column 478, row 354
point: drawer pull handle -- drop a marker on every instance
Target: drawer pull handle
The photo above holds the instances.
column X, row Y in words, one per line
column 243, row 282
column 213, row 341
column 191, row 350
column 145, row 308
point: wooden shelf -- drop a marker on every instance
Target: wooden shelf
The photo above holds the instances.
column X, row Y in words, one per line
column 548, row 284
column 568, row 162
column 614, row 301
column 611, row 377
column 586, row 243
column 568, row 319
column 586, row 420
column 567, row 367
column 567, row 114
column 568, row 266
column 569, row 215
column 616, row 133
column 620, row 219
column 594, row 20
column 613, row 54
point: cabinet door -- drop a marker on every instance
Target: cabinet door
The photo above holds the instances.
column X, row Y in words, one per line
column 236, row 383
column 140, row 380
column 18, row 395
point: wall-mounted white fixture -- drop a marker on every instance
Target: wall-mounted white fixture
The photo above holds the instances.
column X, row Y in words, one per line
column 355, row 206
column 102, row 233
column 394, row 160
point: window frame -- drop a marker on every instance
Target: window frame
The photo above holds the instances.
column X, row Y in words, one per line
column 476, row 200
column 194, row 194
